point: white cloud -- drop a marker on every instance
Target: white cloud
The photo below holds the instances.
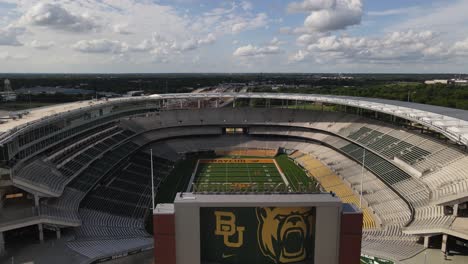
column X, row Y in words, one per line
column 254, row 51
column 42, row 45
column 327, row 15
column 343, row 14
column 393, row 12
column 209, row 39
column 306, row 39
column 100, row 46
column 56, row 17
column 461, row 47
column 122, row 29
column 7, row 56
column 9, row 36
column 299, row 56
column 447, row 16
column 261, row 20
column 246, row 5
column 307, row 6
column 395, row 47
column 163, row 46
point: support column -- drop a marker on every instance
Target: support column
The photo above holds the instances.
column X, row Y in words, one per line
column 444, row 243
column 181, row 104
column 455, row 210
column 234, row 103
column 426, row 241
column 41, row 233
column 2, row 244
column 36, row 203
column 198, row 103
column 217, row 102
column 58, row 233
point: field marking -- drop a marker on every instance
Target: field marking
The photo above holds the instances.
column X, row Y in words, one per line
column 281, row 173
column 192, row 178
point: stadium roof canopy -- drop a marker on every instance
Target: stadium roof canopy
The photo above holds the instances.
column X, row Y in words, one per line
column 453, row 123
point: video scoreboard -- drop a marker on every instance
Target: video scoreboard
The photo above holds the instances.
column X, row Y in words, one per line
column 256, row 229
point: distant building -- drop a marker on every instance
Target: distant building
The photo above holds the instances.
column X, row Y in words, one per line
column 135, row 93
column 459, row 82
column 7, row 95
column 451, row 81
column 430, row 82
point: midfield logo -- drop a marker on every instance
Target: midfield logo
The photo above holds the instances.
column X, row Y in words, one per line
column 226, row 227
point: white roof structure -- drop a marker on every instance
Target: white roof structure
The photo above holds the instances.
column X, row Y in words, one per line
column 453, row 123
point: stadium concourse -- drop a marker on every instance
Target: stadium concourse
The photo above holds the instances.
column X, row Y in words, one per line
column 83, row 169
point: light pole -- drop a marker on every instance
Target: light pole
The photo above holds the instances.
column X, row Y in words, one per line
column 362, row 176
column 152, row 179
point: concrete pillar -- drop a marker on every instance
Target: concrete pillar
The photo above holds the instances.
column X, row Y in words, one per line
column 2, row 244
column 217, row 102
column 41, row 233
column 36, row 204
column 181, row 104
column 58, row 233
column 199, row 103
column 426, row 241
column 455, row 210
column 444, row 243
column 234, row 103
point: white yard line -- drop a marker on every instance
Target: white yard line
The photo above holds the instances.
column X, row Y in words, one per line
column 190, row 186
column 248, row 173
column 281, row 173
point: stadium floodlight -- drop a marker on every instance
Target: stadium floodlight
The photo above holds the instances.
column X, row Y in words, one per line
column 362, row 176
column 152, row 180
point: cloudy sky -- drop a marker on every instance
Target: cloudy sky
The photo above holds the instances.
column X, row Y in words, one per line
column 118, row 36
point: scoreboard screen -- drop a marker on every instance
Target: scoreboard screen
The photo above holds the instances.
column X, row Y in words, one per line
column 260, row 235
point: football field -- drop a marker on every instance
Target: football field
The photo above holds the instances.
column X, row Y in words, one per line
column 237, row 174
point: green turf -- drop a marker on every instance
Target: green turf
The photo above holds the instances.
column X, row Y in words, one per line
column 297, row 178
column 177, row 180
column 236, row 177
column 252, row 176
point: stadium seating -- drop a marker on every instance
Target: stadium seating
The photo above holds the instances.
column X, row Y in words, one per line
column 248, row 152
column 332, row 183
column 54, row 172
column 113, row 212
column 66, row 206
column 405, row 172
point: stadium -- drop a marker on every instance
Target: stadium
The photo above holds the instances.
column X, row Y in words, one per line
column 80, row 174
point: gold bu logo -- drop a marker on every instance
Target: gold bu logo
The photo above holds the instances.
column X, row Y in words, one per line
column 226, row 227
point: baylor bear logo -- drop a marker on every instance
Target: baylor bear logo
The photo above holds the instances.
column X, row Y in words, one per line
column 285, row 234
